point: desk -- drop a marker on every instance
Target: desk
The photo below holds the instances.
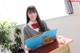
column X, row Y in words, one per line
column 54, row 47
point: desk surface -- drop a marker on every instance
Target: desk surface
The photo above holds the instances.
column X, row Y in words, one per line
column 52, row 46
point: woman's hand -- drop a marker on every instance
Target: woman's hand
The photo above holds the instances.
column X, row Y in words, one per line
column 60, row 39
column 27, row 49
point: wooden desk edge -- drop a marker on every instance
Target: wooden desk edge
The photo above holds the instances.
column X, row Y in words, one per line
column 62, row 46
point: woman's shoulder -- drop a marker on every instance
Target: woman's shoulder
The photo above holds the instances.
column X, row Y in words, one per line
column 25, row 27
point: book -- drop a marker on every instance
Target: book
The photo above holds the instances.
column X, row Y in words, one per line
column 41, row 40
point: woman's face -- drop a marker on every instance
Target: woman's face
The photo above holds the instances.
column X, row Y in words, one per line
column 32, row 16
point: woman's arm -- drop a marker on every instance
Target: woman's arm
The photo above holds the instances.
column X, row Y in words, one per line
column 25, row 38
column 25, row 34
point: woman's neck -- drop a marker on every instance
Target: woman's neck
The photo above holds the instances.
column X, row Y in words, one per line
column 33, row 21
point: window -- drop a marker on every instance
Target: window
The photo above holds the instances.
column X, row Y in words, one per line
column 15, row 10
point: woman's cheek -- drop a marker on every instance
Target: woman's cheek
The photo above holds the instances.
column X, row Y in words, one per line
column 34, row 18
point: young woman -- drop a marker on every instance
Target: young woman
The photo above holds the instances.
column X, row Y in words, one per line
column 35, row 25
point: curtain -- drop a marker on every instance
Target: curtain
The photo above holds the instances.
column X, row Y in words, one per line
column 69, row 7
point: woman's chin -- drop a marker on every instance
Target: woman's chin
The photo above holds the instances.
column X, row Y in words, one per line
column 33, row 19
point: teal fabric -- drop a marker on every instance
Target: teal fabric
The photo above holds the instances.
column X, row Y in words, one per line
column 36, row 42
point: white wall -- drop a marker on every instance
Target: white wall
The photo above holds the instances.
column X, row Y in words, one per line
column 76, row 7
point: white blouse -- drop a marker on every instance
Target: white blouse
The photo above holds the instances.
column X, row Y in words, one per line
column 37, row 29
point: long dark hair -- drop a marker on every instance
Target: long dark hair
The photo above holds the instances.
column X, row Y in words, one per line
column 33, row 9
